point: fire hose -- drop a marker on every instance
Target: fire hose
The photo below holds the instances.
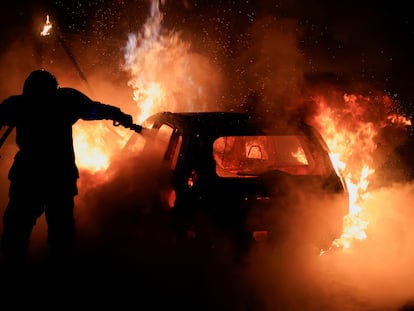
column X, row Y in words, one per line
column 134, row 127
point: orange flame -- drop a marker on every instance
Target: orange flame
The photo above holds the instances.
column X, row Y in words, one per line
column 397, row 119
column 350, row 133
column 300, row 156
column 95, row 144
column 163, row 71
column 164, row 76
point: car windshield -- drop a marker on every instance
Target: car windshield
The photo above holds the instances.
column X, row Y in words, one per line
column 250, row 156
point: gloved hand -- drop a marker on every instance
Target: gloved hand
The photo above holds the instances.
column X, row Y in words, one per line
column 126, row 120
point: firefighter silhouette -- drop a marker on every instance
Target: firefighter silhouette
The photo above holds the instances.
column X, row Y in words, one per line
column 43, row 176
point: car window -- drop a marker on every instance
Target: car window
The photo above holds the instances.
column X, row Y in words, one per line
column 249, row 156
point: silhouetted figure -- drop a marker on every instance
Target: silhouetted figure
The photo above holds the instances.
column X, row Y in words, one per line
column 43, row 177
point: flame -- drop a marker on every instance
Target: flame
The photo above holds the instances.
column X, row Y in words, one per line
column 95, row 143
column 398, row 119
column 164, row 76
column 162, row 69
column 150, row 58
column 349, row 128
column 299, row 155
column 46, row 31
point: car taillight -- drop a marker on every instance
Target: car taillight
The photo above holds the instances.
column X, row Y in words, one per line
column 171, row 198
column 168, row 196
column 191, row 180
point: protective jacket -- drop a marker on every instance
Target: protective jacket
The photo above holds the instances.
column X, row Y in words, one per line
column 44, row 134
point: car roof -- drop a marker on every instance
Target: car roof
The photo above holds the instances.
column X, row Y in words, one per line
column 225, row 122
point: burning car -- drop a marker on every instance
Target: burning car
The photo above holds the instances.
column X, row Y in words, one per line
column 231, row 176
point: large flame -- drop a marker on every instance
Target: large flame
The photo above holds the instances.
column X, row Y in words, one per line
column 350, row 130
column 158, row 66
column 95, row 143
column 162, row 69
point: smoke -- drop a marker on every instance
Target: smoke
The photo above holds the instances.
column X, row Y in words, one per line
column 118, row 229
column 272, row 66
column 375, row 274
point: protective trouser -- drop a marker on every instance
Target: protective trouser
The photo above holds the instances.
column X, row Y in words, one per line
column 27, row 202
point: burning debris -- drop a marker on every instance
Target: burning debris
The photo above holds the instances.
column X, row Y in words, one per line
column 46, row 28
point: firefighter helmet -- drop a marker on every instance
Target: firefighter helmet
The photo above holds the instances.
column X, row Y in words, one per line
column 40, row 82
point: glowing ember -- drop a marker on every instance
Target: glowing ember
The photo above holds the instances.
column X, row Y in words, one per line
column 46, row 28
